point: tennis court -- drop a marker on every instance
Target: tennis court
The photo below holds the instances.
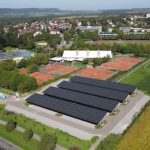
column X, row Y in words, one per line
column 121, row 64
column 42, row 78
column 96, row 73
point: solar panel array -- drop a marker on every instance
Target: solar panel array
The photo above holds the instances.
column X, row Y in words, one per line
column 97, row 91
column 105, row 84
column 83, row 98
column 75, row 110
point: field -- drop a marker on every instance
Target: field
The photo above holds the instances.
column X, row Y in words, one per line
column 140, row 77
column 121, row 64
column 96, row 73
column 138, row 136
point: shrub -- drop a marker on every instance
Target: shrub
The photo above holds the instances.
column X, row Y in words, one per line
column 11, row 125
column 48, row 142
column 28, row 134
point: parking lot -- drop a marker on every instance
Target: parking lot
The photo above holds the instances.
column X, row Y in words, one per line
column 115, row 124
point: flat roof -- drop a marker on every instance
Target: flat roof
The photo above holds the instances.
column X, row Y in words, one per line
column 78, row 111
column 92, row 90
column 105, row 84
column 81, row 98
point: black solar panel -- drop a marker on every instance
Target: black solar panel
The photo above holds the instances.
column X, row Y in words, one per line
column 75, row 110
column 97, row 91
column 81, row 98
column 105, row 84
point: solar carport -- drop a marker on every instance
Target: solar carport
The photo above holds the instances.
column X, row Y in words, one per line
column 81, row 98
column 75, row 110
column 97, row 91
column 105, row 84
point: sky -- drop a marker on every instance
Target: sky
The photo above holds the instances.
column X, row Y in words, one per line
column 75, row 4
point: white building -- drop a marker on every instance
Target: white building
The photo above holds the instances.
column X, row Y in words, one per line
column 76, row 55
column 54, row 32
column 37, row 33
column 148, row 16
column 90, row 28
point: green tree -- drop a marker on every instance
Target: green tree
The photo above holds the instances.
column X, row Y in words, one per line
column 67, row 35
column 27, row 84
column 97, row 61
column 48, row 142
column 11, row 125
column 22, row 64
column 28, row 134
column 85, row 61
column 33, row 68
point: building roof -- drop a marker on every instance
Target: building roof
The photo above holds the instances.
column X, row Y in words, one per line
column 105, row 84
column 86, row 101
column 21, row 53
column 90, row 28
column 81, row 98
column 72, row 109
column 15, row 54
column 86, row 54
column 96, row 91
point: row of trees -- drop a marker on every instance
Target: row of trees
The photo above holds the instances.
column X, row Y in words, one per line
column 136, row 49
column 12, row 80
column 34, row 63
column 94, row 36
column 96, row 61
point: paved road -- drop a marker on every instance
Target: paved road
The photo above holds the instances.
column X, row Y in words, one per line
column 6, row 145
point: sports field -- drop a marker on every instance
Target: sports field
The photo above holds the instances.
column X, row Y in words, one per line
column 121, row 63
column 140, row 77
column 96, row 73
column 41, row 77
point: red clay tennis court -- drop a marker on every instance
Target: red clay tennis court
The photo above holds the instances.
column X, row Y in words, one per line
column 117, row 66
column 51, row 69
column 129, row 60
column 23, row 71
column 59, row 70
column 42, row 78
column 96, row 73
column 121, row 64
column 67, row 70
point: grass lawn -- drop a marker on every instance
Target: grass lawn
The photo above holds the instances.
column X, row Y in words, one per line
column 9, row 92
column 17, row 138
column 140, row 77
column 110, row 142
column 64, row 139
column 9, row 48
column 79, row 65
